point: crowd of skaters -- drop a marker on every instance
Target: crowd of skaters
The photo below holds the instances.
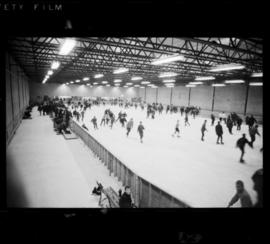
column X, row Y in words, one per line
column 62, row 115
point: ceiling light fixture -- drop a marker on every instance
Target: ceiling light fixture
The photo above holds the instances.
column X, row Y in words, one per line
column 167, row 74
column 226, row 67
column 120, row 71
column 205, row 78
column 55, row 65
column 169, row 59
column 67, row 47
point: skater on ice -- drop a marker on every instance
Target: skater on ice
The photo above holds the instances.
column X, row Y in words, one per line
column 140, row 130
column 257, row 179
column 129, row 126
column 242, row 195
column 219, row 132
column 241, row 145
column 186, row 120
column 212, row 119
column 203, row 129
column 177, row 131
column 253, row 131
column 94, row 121
column 239, row 122
column 103, row 120
column 125, row 200
column 230, row 124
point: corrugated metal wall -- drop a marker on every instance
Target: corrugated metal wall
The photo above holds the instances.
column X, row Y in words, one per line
column 17, row 96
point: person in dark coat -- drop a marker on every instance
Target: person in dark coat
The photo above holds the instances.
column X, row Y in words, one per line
column 213, row 119
column 123, row 120
column 186, row 120
column 125, row 200
column 239, row 122
column 103, row 120
column 167, row 109
column 129, row 126
column 203, row 129
column 94, row 121
column 182, row 110
column 257, row 178
column 82, row 114
column 112, row 117
column 229, row 125
column 40, row 109
column 119, row 116
column 219, row 132
column 241, row 145
column 140, row 130
column 242, row 195
column 252, row 132
column 176, row 129
column 252, row 121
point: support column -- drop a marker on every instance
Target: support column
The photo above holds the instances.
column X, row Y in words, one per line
column 19, row 88
column 145, row 94
column 11, row 92
column 213, row 98
column 156, row 95
column 246, row 99
column 189, row 96
column 171, row 96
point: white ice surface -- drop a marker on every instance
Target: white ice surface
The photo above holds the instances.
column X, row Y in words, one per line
column 201, row 174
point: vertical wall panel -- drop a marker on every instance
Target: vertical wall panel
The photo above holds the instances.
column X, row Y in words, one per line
column 230, row 98
column 255, row 100
column 164, row 94
column 180, row 96
column 16, row 101
column 151, row 95
column 141, row 93
column 201, row 96
column 20, row 81
column 15, row 96
column 9, row 113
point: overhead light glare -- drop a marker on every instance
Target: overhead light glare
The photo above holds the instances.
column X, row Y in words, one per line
column 256, row 84
column 50, row 72
column 55, row 65
column 234, row 81
column 117, row 81
column 98, row 76
column 168, row 60
column 136, row 78
column 205, row 78
column 67, row 47
column 195, row 83
column 226, row 67
column 167, row 74
column 257, row 75
column 120, row 71
column 218, row 85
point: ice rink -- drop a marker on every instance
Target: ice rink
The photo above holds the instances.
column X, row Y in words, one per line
column 201, row 174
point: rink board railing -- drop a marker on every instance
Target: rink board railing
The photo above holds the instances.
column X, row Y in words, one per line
column 144, row 193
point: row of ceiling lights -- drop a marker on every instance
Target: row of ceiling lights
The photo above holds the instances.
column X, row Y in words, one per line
column 69, row 45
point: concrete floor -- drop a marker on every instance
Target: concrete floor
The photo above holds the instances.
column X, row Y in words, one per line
column 46, row 171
